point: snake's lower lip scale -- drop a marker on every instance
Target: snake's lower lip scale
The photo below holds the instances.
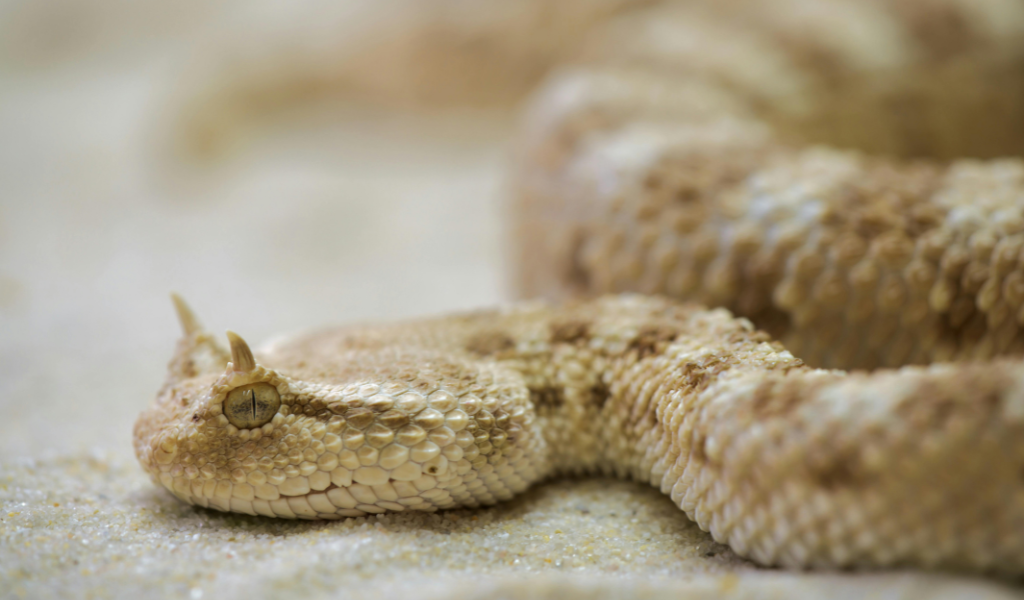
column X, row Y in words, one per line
column 332, row 503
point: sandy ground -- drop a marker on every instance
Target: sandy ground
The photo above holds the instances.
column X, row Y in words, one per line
column 334, row 215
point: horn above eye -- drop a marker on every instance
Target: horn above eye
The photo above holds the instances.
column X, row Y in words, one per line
column 189, row 323
column 241, row 356
column 252, row 405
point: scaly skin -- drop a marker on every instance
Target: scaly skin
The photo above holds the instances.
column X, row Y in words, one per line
column 788, row 465
column 852, row 263
column 677, row 161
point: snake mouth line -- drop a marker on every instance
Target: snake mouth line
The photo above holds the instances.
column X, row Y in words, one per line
column 332, row 503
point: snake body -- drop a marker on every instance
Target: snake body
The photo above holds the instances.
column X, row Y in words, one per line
column 676, row 155
column 677, row 162
column 788, row 465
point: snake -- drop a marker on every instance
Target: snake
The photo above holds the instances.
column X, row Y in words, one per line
column 771, row 261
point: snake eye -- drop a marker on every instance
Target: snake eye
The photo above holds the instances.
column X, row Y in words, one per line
column 252, row 405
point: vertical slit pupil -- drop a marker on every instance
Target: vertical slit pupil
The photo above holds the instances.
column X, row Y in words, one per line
column 252, row 403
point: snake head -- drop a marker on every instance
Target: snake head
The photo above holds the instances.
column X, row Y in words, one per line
column 211, row 406
column 348, row 422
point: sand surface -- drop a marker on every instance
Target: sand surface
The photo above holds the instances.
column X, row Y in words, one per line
column 337, row 214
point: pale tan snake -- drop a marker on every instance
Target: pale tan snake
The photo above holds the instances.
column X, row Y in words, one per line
column 664, row 163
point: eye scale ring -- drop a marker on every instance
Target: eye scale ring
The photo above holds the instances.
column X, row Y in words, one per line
column 252, row 405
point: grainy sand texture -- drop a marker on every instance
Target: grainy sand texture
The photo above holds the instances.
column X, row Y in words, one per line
column 337, row 214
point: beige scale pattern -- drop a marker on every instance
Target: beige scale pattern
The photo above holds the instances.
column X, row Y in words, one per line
column 794, row 162
column 788, row 465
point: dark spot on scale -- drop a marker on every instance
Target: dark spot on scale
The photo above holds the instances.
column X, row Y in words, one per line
column 775, row 398
column 599, row 394
column 842, row 471
column 394, row 419
column 547, row 398
column 992, row 400
column 652, row 340
column 570, row 332
column 943, row 409
column 490, row 342
column 195, row 417
column 360, row 418
column 698, row 450
column 932, row 405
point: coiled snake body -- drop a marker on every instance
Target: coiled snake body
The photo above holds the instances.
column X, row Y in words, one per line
column 667, row 161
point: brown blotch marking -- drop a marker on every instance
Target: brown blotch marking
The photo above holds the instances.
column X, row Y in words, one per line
column 406, row 375
column 361, row 341
column 360, row 418
column 484, row 420
column 693, row 179
column 943, row 29
column 756, row 337
column 490, row 342
column 570, row 332
column 776, row 398
column 698, row 450
column 887, row 201
column 941, row 410
column 696, row 376
column 992, row 400
column 425, row 382
column 934, row 403
column 547, row 398
column 842, row 471
column 394, row 419
column 600, row 394
column 654, row 180
column 823, row 61
column 984, row 402
column 652, row 340
column 689, row 378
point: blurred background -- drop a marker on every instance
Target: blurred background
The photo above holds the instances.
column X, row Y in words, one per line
column 346, row 209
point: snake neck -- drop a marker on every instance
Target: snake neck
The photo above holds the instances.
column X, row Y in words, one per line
column 616, row 405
